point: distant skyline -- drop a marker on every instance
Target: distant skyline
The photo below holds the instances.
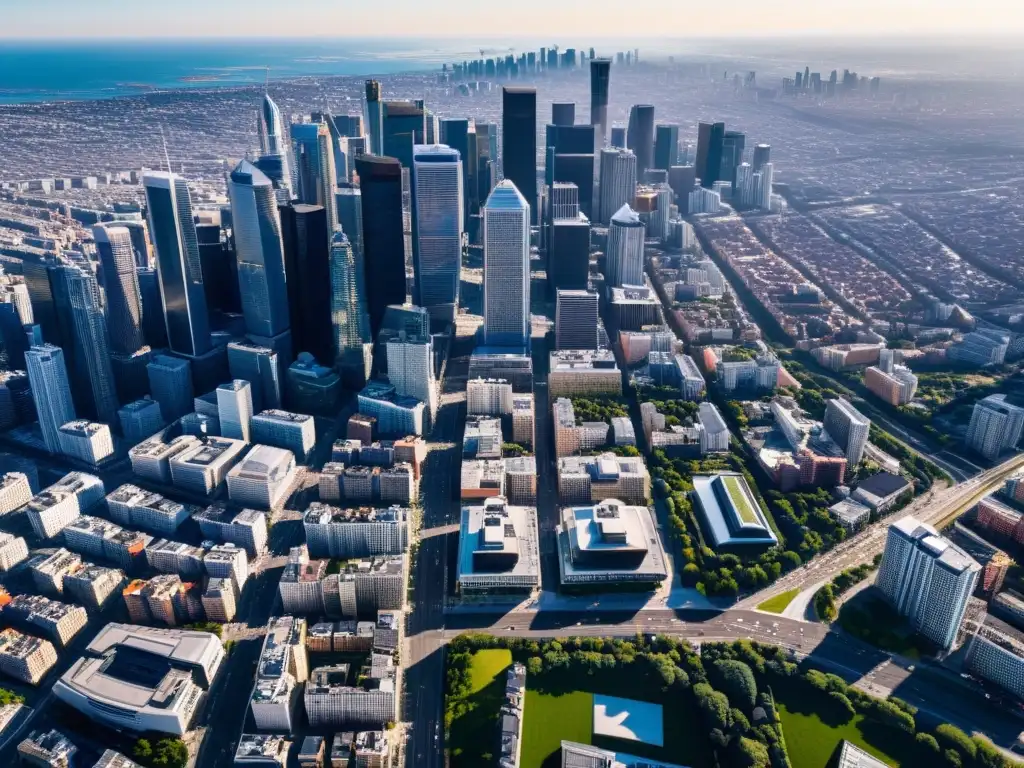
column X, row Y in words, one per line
column 542, row 19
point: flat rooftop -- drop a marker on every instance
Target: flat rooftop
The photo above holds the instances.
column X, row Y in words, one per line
column 499, row 539
column 610, row 542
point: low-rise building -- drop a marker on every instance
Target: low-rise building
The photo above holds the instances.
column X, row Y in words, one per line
column 263, row 478
column 850, row 514
column 256, row 750
column 395, row 414
column 521, row 479
column 47, row 749
column 882, row 491
column 311, row 752
column 151, row 459
column 227, row 561
column 607, row 544
column 482, row 438
column 498, row 549
column 49, row 571
column 283, row 663
column 332, row 702
column 15, row 491
column 246, row 529
column 730, row 513
column 132, row 506
column 205, row 465
column 510, row 717
column 489, row 397
column 482, row 479
column 58, row 622
column 219, row 600
column 166, row 556
column 371, row 749
column 522, row 420
column 93, row 585
column 364, row 532
column 86, row 441
column 13, row 550
column 896, row 388
column 52, row 510
column 586, row 479
column 294, row 432
column 25, row 657
column 583, row 373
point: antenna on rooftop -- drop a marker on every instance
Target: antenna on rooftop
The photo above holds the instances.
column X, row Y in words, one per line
column 167, row 156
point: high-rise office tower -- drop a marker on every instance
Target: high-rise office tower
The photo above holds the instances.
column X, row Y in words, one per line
column 92, row 346
column 170, row 381
column 341, row 160
column 404, row 127
column 455, row 133
column 179, row 266
column 140, row 241
column 234, row 408
column 625, row 257
column 220, row 274
column 762, row 156
column 576, row 320
column 51, row 392
column 666, row 146
column 380, row 180
column 600, row 78
column 563, row 113
column 849, row 428
column 578, row 170
column 996, row 426
column 121, row 284
column 259, row 250
column 411, row 368
column 154, row 325
column 569, row 252
column 350, row 126
column 710, row 137
column 349, row 319
column 350, row 215
column 437, row 228
column 618, row 137
column 618, row 182
column 640, row 136
column 314, row 168
column 507, row 267
column 927, row 579
column 259, row 366
column 734, row 144
column 682, row 179
column 374, row 117
column 307, row 264
column 519, row 142
column 40, row 291
column 273, row 146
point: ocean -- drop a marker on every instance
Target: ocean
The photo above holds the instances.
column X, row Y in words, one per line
column 40, row 71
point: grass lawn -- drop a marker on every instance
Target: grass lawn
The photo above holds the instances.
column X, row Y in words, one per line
column 473, row 733
column 739, row 499
column 812, row 742
column 779, row 603
column 549, row 720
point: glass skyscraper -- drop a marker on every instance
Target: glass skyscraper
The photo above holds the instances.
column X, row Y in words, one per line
column 519, row 142
column 380, row 180
column 314, row 168
column 92, row 344
column 640, row 136
column 437, row 227
column 506, row 267
column 349, row 320
column 180, row 269
column 273, row 151
column 51, row 392
column 306, row 252
column 260, row 251
column 121, row 284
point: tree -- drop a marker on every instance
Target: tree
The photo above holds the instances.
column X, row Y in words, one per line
column 142, row 749
column 713, row 705
column 927, row 746
column 171, row 753
column 750, row 754
column 736, row 680
column 843, row 703
column 951, row 737
column 534, row 665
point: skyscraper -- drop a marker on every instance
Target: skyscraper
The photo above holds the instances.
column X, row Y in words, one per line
column 259, row 250
column 404, row 127
column 51, row 392
column 625, row 257
column 576, row 320
column 121, row 284
column 927, row 579
column 437, row 228
column 170, row 381
column 349, row 320
column 666, row 146
column 710, row 137
column 563, row 113
column 506, row 267
column 234, row 407
column 762, row 156
column 618, row 182
column 600, row 78
column 519, row 142
column 179, row 267
column 92, row 345
column 307, row 263
column 640, row 136
column 849, row 428
column 154, row 325
column 314, row 168
column 411, row 368
column 380, row 180
column 734, row 144
column 995, row 426
column 374, row 117
column 273, row 151
column 259, row 366
column 455, row 133
column 350, row 215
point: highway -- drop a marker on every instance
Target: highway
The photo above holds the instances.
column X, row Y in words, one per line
column 936, row 507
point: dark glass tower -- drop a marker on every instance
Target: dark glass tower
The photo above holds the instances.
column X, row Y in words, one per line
column 600, row 77
column 666, row 146
column 306, row 239
column 180, row 270
column 640, row 136
column 374, row 117
column 404, row 126
column 734, row 144
column 710, row 137
column 380, row 180
column 455, row 133
column 519, row 142
column 563, row 113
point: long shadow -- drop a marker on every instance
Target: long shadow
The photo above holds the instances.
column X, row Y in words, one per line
column 423, row 707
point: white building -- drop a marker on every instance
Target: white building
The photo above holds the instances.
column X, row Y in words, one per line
column 927, row 579
column 395, row 414
column 257, row 750
column 522, row 420
column 586, row 479
column 849, row 428
column 205, row 465
column 13, row 550
column 332, row 702
column 51, row 392
column 135, row 507
column 411, row 369
column 488, row 397
column 142, row 679
column 283, row 429
column 283, row 663
column 348, row 533
column 247, row 529
column 25, row 657
column 263, row 478
column 714, row 434
column 617, row 181
column 996, row 426
column 234, row 409
column 86, row 441
column 227, row 561
column 761, row 373
column 498, row 549
column 151, row 459
column 15, row 491
column 52, row 510
column 625, row 256
column 506, row 284
column 57, row 621
column 703, row 200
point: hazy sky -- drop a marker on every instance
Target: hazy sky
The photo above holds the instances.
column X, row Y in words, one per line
column 542, row 19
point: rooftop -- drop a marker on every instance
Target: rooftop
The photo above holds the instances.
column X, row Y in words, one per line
column 730, row 511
